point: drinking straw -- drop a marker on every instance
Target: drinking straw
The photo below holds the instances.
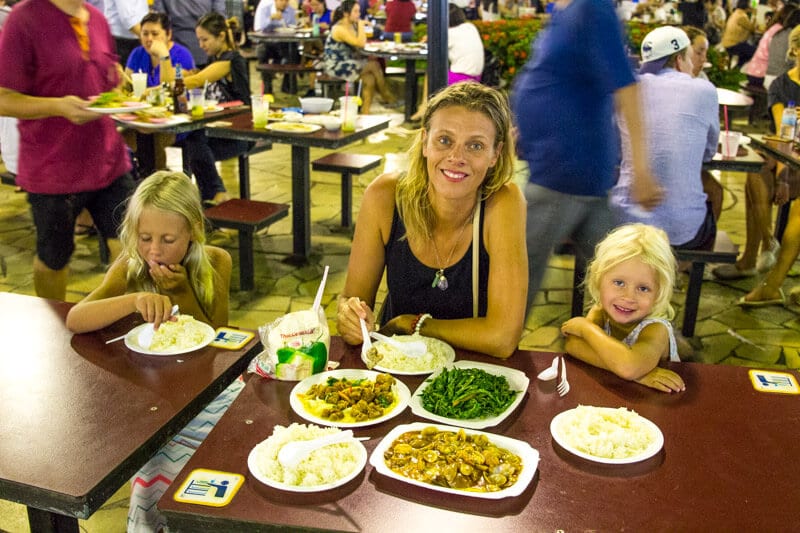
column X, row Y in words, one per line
column 205, row 88
column 346, row 95
column 262, row 87
column 320, row 290
column 725, row 111
column 358, row 93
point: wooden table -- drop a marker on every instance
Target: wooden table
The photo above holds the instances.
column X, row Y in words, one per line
column 748, row 161
column 726, row 465
column 242, row 128
column 391, row 51
column 296, row 41
column 80, row 417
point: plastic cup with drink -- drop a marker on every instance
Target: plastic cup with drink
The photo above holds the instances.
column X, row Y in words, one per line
column 139, row 82
column 348, row 109
column 197, row 102
column 730, row 143
column 260, row 107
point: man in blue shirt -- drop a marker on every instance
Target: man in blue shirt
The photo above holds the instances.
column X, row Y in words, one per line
column 564, row 101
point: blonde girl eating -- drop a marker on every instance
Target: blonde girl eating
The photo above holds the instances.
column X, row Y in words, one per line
column 627, row 330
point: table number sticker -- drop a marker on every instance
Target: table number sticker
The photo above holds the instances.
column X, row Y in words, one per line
column 209, row 487
column 231, row 339
column 769, row 381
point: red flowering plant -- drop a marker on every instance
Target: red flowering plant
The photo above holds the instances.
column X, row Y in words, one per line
column 509, row 40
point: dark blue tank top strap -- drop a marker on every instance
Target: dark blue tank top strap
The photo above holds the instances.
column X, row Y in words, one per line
column 410, row 282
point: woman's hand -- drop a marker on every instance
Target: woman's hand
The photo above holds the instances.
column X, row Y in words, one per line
column 158, row 49
column 399, row 325
column 169, row 278
column 349, row 312
column 663, row 380
column 781, row 193
column 155, row 308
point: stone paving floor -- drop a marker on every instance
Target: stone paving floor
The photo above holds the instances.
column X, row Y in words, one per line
column 773, row 332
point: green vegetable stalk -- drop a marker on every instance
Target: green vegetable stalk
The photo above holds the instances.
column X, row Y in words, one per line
column 467, row 393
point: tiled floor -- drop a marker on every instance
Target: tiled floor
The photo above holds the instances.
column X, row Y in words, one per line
column 773, row 331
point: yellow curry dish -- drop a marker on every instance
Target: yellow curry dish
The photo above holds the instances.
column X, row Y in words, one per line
column 351, row 400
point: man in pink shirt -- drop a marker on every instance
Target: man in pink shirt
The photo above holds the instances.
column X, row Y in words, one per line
column 70, row 158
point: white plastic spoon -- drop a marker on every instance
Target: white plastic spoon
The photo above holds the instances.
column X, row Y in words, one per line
column 411, row 348
column 145, row 338
column 292, row 453
column 551, row 372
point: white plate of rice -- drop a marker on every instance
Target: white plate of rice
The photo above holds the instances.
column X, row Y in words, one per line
column 607, row 434
column 440, row 354
column 172, row 338
column 323, row 469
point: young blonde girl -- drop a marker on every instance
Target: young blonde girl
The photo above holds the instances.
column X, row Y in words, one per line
column 165, row 261
column 627, row 329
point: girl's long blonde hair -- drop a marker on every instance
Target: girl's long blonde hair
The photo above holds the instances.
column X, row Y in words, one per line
column 172, row 192
column 413, row 204
column 636, row 241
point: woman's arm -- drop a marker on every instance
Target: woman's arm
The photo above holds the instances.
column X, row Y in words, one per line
column 589, row 343
column 213, row 72
column 499, row 332
column 367, row 258
column 344, row 33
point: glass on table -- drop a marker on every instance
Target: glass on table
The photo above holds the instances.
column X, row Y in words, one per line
column 259, row 106
column 197, row 102
column 139, row 82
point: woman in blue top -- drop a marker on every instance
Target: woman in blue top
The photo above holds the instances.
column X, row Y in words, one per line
column 158, row 54
column 422, row 228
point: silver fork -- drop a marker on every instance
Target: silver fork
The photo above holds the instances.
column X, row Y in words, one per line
column 563, row 385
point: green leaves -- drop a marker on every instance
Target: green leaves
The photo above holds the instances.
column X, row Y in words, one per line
column 467, row 393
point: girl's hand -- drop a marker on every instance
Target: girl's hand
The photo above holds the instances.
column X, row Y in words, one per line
column 574, row 326
column 663, row 380
column 155, row 308
column 168, row 278
column 349, row 312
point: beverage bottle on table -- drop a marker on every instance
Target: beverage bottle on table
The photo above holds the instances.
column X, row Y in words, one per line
column 180, row 104
column 789, row 122
column 314, row 25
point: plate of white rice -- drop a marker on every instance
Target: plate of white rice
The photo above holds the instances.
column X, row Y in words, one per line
column 606, row 434
column 393, row 361
column 173, row 337
column 323, row 469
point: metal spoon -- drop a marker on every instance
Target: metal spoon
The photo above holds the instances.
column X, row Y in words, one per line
column 411, row 348
column 550, row 372
column 145, row 338
column 292, row 453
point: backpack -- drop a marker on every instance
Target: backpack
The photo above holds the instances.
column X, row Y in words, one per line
column 491, row 70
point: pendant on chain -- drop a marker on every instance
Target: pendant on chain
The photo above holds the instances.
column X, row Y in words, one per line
column 439, row 280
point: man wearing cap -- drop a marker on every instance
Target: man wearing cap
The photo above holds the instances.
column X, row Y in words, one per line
column 682, row 130
column 564, row 101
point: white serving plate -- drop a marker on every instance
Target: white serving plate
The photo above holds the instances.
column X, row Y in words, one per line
column 450, row 356
column 400, row 389
column 558, row 436
column 517, row 380
column 528, row 454
column 132, row 340
column 129, row 107
column 162, row 123
column 293, row 127
column 252, row 466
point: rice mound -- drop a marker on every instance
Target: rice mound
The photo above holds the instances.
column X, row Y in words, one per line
column 182, row 334
column 607, row 432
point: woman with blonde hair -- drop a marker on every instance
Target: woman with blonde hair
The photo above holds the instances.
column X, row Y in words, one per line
column 454, row 208
column 627, row 330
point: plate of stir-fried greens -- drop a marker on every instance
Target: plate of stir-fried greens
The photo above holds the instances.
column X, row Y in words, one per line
column 470, row 394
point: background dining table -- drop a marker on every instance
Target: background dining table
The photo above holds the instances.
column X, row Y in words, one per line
column 78, row 417
column 727, row 462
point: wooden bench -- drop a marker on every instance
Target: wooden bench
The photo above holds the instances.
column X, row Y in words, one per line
column 289, row 69
column 724, row 252
column 331, row 85
column 346, row 165
column 247, row 217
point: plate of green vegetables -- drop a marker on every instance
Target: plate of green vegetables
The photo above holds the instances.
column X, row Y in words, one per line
column 470, row 394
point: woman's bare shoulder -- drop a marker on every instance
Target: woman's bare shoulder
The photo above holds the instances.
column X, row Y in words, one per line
column 507, row 197
column 383, row 188
column 217, row 255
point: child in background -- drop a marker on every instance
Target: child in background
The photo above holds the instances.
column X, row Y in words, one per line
column 627, row 330
column 164, row 261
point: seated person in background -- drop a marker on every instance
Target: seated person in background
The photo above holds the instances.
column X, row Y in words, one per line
column 157, row 56
column 312, row 51
column 229, row 80
column 423, row 228
column 738, row 30
column 165, row 261
column 271, row 15
column 756, row 69
column 627, row 330
column 343, row 56
column 399, row 16
column 682, row 114
column 778, row 60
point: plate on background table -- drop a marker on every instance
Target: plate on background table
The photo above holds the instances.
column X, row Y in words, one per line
column 127, row 107
column 132, row 340
column 399, row 388
column 517, row 381
column 293, row 127
column 528, row 455
column 153, row 123
column 560, row 432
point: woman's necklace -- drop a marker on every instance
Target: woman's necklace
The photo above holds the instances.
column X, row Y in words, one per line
column 439, row 279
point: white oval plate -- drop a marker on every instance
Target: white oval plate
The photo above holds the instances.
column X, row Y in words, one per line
column 558, row 436
column 132, row 340
column 450, row 356
column 517, row 380
column 293, row 127
column 252, row 465
column 400, row 389
column 129, row 107
column 528, row 454
column 160, row 122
